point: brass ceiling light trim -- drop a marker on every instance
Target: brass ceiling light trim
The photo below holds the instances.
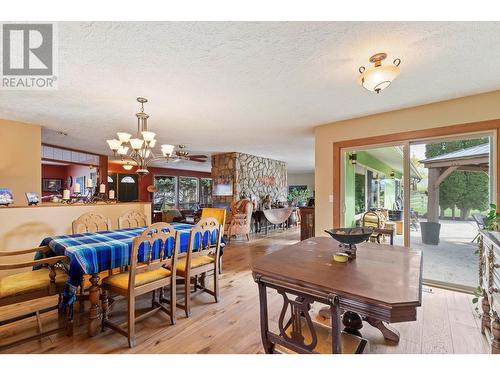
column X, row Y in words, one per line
column 378, row 77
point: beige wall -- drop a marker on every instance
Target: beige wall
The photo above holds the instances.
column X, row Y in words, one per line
column 26, row 227
column 457, row 111
column 302, row 179
column 20, row 167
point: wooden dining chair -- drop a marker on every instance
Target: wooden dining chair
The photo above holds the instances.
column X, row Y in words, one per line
column 21, row 293
column 91, row 222
column 131, row 219
column 88, row 223
column 146, row 275
column 220, row 215
column 202, row 257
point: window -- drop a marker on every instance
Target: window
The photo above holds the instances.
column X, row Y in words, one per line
column 166, row 192
column 359, row 192
column 205, row 191
column 127, row 180
column 188, row 193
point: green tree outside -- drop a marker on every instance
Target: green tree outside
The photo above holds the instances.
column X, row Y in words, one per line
column 463, row 190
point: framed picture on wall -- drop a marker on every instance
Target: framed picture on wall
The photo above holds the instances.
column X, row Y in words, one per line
column 51, row 184
column 223, row 186
column 6, row 197
column 32, row 198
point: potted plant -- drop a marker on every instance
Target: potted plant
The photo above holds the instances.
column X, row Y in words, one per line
column 298, row 197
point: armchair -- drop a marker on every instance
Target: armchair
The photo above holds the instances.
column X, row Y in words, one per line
column 241, row 219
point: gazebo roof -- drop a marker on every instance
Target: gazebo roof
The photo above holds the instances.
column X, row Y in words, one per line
column 482, row 150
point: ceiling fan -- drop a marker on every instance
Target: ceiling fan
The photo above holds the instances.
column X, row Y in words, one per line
column 181, row 153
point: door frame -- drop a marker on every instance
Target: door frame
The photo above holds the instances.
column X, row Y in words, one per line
column 481, row 127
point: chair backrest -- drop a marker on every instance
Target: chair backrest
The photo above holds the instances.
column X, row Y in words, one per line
column 131, row 219
column 479, row 219
column 217, row 213
column 205, row 238
column 371, row 220
column 160, row 246
column 91, row 222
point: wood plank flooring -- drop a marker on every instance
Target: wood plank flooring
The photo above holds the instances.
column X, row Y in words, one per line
column 445, row 323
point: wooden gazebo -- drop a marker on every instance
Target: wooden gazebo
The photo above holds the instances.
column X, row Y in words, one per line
column 471, row 159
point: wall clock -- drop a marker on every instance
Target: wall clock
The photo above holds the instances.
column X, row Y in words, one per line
column 69, row 181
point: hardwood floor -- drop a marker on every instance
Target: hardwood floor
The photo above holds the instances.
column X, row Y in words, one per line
column 446, row 322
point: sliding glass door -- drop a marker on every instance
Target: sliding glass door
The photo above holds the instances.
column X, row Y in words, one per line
column 449, row 205
column 434, row 193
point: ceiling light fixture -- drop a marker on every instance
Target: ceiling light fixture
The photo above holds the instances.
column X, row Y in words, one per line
column 379, row 76
column 128, row 166
column 139, row 149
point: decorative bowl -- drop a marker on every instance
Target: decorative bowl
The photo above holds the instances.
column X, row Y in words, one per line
column 349, row 237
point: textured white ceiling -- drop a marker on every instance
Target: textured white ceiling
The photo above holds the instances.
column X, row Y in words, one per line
column 258, row 88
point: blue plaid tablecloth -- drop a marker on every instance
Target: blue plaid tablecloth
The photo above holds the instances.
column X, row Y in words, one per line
column 91, row 253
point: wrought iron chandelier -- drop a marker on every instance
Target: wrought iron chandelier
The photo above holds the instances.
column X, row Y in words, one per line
column 140, row 149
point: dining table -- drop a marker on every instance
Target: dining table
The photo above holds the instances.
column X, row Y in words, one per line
column 95, row 252
column 380, row 286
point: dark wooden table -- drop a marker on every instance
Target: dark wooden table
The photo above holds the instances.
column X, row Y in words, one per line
column 382, row 285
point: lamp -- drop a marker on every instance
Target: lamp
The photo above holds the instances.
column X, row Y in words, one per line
column 379, row 76
column 140, row 148
column 167, row 150
column 127, row 166
column 353, row 158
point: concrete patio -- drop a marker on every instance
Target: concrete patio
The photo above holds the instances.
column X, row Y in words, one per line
column 453, row 260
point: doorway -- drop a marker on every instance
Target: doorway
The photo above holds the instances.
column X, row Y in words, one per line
column 448, row 206
column 434, row 192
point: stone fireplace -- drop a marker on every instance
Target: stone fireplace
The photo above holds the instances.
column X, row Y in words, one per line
column 251, row 175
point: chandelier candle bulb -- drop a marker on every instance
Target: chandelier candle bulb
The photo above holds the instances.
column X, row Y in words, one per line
column 114, row 144
column 122, row 150
column 102, row 188
column 124, row 137
column 77, row 188
column 66, row 194
column 111, row 194
column 136, row 143
column 148, row 136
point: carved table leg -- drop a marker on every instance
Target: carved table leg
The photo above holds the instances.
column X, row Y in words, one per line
column 94, row 313
column 389, row 333
column 352, row 323
column 264, row 324
column 486, row 320
column 495, row 332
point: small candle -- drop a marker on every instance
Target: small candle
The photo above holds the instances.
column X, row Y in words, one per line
column 77, row 188
column 111, row 194
column 102, row 188
column 90, row 183
column 65, row 194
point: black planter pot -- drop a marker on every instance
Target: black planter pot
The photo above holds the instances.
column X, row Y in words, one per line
column 430, row 233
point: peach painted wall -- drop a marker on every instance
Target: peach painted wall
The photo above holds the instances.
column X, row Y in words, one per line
column 451, row 112
column 20, row 168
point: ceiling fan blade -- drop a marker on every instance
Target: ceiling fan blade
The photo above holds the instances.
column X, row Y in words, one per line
column 198, row 156
column 198, row 160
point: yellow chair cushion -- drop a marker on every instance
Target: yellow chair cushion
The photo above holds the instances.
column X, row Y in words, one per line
column 196, row 261
column 29, row 282
column 217, row 213
column 120, row 280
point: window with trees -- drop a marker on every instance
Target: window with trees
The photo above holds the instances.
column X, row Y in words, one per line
column 166, row 192
column 205, row 191
column 188, row 193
